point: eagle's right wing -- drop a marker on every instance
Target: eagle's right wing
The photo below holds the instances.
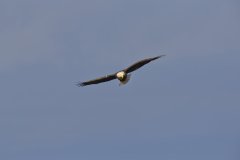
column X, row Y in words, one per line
column 98, row 80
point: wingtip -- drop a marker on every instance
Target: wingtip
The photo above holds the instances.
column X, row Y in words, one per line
column 80, row 84
column 158, row 57
column 161, row 56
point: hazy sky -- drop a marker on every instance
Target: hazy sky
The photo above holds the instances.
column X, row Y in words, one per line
column 184, row 106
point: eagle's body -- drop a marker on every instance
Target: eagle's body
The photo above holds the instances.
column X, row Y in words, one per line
column 123, row 76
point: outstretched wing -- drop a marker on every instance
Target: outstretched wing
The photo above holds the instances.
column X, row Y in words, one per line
column 141, row 63
column 98, row 80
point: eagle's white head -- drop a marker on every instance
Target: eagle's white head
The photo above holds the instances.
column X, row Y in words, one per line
column 123, row 77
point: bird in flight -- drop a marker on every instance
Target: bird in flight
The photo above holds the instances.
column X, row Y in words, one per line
column 123, row 76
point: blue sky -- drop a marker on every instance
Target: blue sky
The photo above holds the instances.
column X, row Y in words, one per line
column 181, row 107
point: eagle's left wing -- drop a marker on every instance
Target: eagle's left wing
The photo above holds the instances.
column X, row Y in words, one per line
column 141, row 63
column 98, row 80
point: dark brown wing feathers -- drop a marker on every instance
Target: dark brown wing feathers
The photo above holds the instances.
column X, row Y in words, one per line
column 141, row 63
column 98, row 80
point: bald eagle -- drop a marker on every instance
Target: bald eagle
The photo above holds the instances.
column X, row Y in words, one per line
column 123, row 76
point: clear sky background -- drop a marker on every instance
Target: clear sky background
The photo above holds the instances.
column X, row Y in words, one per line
column 184, row 106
